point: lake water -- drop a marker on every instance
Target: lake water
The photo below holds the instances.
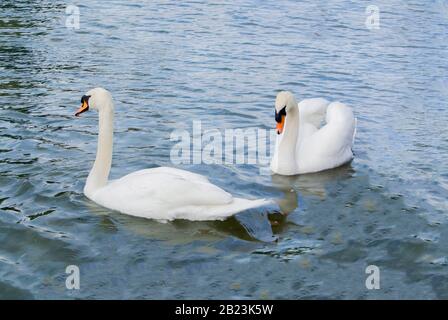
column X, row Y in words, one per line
column 168, row 64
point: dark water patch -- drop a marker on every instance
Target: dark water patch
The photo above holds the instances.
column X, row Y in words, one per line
column 10, row 292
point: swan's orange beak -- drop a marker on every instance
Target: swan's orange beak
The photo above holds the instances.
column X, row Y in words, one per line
column 280, row 125
column 83, row 108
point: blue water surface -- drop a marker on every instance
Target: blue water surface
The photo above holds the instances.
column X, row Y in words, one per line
column 168, row 64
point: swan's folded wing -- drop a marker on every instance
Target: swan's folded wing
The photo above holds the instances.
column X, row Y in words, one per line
column 335, row 139
column 188, row 175
column 167, row 194
column 168, row 170
column 313, row 111
column 162, row 188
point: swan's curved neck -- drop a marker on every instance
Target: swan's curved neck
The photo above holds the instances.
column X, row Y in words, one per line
column 287, row 143
column 99, row 174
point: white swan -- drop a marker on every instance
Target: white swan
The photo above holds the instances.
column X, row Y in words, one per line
column 303, row 146
column 159, row 193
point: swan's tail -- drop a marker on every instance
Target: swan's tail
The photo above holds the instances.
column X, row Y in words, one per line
column 207, row 213
column 240, row 204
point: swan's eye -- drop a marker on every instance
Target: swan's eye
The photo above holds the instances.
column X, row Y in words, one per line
column 278, row 115
column 85, row 99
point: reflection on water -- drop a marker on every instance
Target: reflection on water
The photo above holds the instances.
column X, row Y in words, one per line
column 221, row 64
column 312, row 184
column 248, row 226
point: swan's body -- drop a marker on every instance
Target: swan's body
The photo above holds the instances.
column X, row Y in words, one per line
column 160, row 193
column 303, row 146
